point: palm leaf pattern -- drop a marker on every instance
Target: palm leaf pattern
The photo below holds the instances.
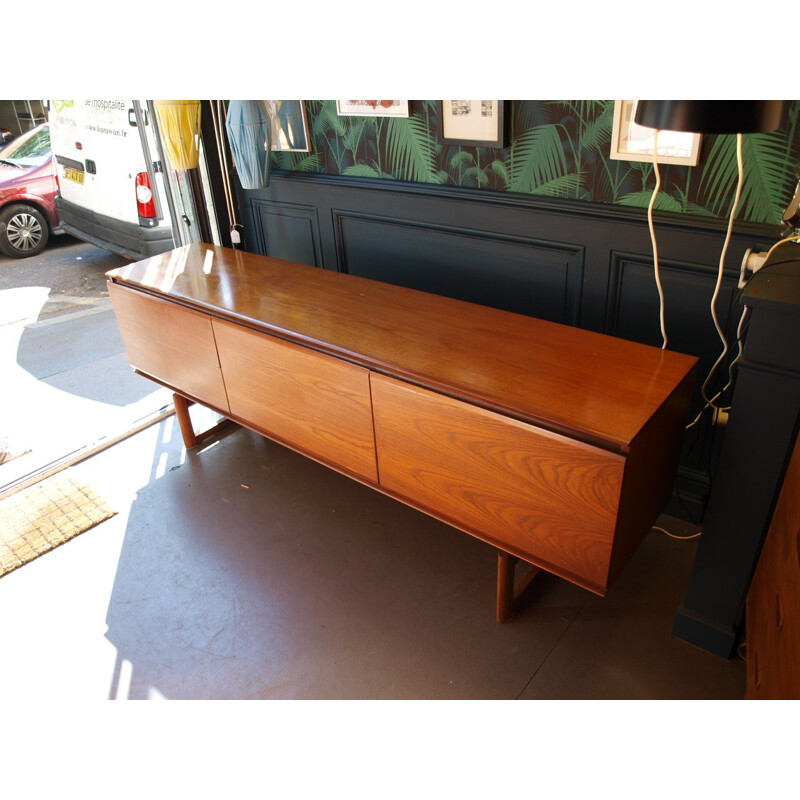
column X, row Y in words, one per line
column 559, row 148
column 766, row 166
column 411, row 149
column 664, row 202
column 298, row 162
column 537, row 157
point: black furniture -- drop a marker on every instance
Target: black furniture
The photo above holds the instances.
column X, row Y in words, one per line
column 762, row 426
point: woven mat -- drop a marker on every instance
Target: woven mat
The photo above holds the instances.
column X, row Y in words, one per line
column 45, row 515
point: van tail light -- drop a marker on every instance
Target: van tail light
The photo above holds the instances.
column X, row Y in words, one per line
column 144, row 196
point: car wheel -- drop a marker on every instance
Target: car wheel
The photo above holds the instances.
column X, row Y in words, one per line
column 23, row 231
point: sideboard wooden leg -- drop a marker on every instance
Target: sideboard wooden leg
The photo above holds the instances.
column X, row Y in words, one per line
column 184, row 420
column 190, row 437
column 505, row 585
column 507, row 590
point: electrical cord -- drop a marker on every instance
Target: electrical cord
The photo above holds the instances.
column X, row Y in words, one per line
column 739, row 338
column 720, row 272
column 777, row 244
column 709, row 402
column 654, row 243
column 721, row 392
column 673, row 536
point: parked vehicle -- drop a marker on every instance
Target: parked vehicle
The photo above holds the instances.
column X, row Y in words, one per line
column 28, row 214
column 111, row 182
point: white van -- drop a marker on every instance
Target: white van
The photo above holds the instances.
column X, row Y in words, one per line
column 110, row 175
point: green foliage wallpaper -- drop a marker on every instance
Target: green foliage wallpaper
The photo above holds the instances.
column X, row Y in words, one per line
column 557, row 149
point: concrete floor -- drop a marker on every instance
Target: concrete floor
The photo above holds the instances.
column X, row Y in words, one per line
column 242, row 570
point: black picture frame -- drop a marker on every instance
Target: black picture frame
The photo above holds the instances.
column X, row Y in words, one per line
column 455, row 127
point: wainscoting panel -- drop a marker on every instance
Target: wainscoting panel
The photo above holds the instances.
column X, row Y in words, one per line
column 287, row 231
column 530, row 277
column 633, row 307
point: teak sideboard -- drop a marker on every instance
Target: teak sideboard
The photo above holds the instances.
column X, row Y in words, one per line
column 556, row 445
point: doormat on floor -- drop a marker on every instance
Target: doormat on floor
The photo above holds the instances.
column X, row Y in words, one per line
column 35, row 520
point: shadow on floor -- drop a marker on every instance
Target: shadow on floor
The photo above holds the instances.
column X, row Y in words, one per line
column 248, row 571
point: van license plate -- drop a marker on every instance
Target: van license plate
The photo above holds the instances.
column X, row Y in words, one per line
column 73, row 174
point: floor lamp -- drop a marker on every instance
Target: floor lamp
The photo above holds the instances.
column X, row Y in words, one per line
column 710, row 117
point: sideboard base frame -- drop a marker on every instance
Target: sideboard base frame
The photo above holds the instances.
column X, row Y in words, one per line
column 191, row 437
column 509, row 591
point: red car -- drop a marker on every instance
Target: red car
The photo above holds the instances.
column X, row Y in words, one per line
column 27, row 193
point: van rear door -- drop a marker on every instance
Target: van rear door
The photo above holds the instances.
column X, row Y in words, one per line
column 110, row 186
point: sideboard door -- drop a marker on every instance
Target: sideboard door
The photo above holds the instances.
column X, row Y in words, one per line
column 173, row 344
column 541, row 495
column 308, row 400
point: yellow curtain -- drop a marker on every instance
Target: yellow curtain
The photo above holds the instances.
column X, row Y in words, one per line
column 179, row 121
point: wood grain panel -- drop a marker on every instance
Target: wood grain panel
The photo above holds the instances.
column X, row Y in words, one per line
column 649, row 475
column 175, row 345
column 309, row 400
column 773, row 602
column 547, row 497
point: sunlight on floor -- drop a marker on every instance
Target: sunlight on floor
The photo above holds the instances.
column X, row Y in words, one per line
column 63, row 621
column 63, row 626
column 22, row 304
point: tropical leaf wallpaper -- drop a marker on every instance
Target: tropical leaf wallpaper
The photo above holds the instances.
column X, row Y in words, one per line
column 557, row 149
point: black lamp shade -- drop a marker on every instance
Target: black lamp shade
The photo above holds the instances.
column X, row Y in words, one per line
column 710, row 116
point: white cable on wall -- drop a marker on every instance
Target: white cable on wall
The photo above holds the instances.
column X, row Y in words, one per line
column 721, row 392
column 655, row 244
column 709, row 402
column 721, row 333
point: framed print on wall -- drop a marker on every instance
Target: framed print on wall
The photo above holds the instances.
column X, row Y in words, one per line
column 289, row 126
column 372, row 108
column 632, row 142
column 474, row 123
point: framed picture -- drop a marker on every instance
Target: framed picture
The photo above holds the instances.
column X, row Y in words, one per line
column 289, row 125
column 372, row 108
column 475, row 123
column 632, row 142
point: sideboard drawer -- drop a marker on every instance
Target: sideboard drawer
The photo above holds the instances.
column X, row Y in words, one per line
column 172, row 344
column 543, row 495
column 311, row 401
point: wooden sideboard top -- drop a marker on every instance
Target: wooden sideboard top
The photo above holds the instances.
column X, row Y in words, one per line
column 594, row 387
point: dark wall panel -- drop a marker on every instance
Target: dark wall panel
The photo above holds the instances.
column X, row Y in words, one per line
column 526, row 276
column 288, row 232
column 633, row 307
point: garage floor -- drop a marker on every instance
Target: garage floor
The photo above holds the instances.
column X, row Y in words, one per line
column 243, row 570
